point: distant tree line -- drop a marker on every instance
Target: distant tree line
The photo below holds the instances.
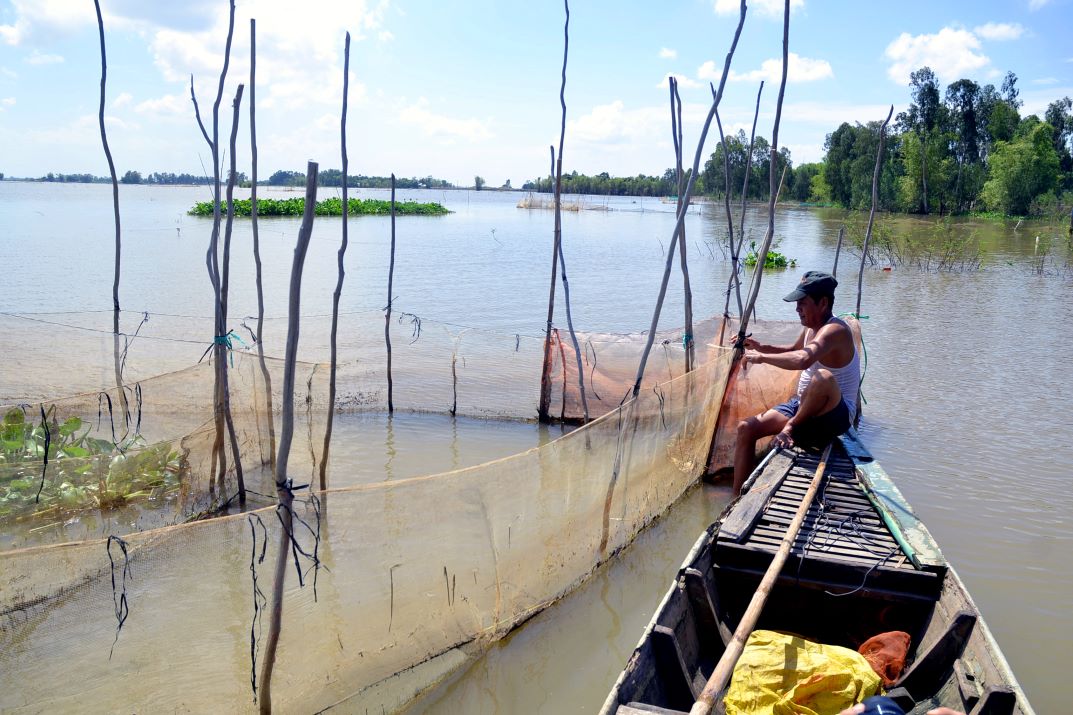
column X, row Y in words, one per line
column 327, row 177
column 965, row 150
column 606, row 185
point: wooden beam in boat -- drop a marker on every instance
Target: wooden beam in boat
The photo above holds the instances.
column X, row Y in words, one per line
column 739, row 523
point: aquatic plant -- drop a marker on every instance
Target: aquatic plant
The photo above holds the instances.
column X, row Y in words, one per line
column 328, row 207
column 774, row 259
column 82, row 472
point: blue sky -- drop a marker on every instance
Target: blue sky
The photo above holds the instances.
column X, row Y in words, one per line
column 458, row 89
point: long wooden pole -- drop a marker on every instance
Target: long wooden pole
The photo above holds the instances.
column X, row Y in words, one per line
column 735, row 251
column 115, row 209
column 838, row 251
column 269, row 411
column 761, row 255
column 390, row 297
column 680, row 223
column 341, row 275
column 688, row 343
column 283, row 483
column 875, row 202
column 224, row 282
column 725, row 667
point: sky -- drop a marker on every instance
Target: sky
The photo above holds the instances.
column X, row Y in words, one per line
column 455, row 90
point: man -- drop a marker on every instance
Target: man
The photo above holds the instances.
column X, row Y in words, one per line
column 826, row 398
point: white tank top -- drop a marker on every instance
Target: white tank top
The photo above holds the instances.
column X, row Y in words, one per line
column 847, row 377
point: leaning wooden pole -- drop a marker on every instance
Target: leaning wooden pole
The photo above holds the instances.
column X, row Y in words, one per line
column 735, row 251
column 265, row 374
column 688, row 344
column 115, row 210
column 390, row 299
column 838, row 251
column 773, row 188
column 680, row 223
column 725, row 667
column 875, row 203
column 342, row 274
column 283, row 483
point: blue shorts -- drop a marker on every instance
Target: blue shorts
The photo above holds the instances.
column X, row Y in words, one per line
column 819, row 431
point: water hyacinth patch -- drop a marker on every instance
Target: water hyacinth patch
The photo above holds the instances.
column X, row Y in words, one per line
column 328, row 207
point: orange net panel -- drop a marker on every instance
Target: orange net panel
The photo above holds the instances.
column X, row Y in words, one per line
column 886, row 654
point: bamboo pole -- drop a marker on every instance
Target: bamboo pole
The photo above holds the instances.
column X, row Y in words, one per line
column 838, row 250
column 115, row 209
column 688, row 343
column 257, row 250
column 685, row 203
column 725, row 667
column 726, row 207
column 875, row 202
column 773, row 190
column 387, row 310
column 342, row 274
column 283, row 484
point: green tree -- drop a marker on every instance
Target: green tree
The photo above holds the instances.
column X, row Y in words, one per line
column 1022, row 169
column 478, row 183
column 1059, row 115
column 131, row 177
column 924, row 118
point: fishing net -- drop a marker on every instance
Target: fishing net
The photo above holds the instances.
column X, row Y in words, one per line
column 390, row 586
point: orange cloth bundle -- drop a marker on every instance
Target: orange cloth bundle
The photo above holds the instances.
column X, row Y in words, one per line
column 886, row 654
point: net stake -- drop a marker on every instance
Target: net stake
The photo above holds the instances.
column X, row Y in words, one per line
column 725, row 667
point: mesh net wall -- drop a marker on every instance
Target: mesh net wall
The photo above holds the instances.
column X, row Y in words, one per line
column 417, row 575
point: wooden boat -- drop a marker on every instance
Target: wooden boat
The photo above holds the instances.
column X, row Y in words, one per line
column 862, row 564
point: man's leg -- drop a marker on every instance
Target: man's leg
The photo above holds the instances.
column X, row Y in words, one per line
column 821, row 396
column 749, row 431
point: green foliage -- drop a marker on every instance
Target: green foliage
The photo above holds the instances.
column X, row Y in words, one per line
column 328, row 207
column 604, row 184
column 83, row 472
column 773, row 259
column 478, row 183
column 1021, row 170
column 131, row 177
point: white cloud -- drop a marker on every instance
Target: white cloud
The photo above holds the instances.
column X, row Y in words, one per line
column 6, row 102
column 802, row 69
column 46, row 19
column 385, row 36
column 40, row 58
column 432, row 124
column 614, row 124
column 683, row 81
column 122, row 100
column 168, row 105
column 831, row 115
column 9, row 73
column 1000, row 31
column 1037, row 4
column 951, row 53
column 1045, row 80
column 668, row 54
column 765, row 8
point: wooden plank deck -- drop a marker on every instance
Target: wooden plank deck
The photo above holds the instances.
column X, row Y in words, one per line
column 843, row 539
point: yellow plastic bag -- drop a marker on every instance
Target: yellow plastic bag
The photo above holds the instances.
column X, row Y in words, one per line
column 783, row 674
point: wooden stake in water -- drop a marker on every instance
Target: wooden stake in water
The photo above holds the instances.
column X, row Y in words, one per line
column 342, row 274
column 875, row 202
column 265, row 375
column 688, row 343
column 283, row 484
column 115, row 209
column 390, row 298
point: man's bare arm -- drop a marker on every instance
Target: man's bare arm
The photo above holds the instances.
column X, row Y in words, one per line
column 759, row 347
column 798, row 357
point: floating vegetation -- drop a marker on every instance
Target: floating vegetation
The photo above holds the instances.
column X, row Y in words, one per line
column 774, row 259
column 328, row 207
column 82, row 472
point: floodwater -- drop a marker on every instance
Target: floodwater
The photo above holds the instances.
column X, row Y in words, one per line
column 968, row 403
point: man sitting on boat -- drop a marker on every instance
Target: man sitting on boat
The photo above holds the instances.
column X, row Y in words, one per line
column 826, row 398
